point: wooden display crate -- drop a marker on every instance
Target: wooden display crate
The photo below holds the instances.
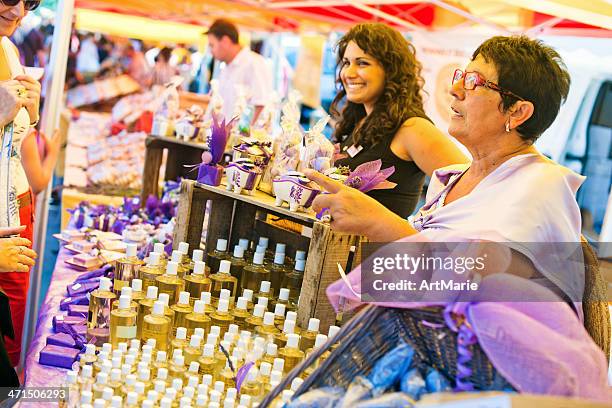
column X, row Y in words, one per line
column 234, row 216
column 180, row 153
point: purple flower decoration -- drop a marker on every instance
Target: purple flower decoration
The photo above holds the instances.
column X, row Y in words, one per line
column 151, row 204
column 368, row 176
column 218, row 139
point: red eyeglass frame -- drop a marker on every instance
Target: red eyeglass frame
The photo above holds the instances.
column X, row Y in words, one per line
column 29, row 5
column 481, row 81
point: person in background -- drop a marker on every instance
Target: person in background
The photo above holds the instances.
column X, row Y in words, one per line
column 88, row 60
column 163, row 71
column 137, row 66
column 380, row 86
column 241, row 66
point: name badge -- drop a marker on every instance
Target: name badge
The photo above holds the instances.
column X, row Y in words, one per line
column 354, row 150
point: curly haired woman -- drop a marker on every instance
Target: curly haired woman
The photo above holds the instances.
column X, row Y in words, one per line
column 382, row 114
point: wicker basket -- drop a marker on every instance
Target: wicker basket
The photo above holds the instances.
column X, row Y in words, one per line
column 376, row 330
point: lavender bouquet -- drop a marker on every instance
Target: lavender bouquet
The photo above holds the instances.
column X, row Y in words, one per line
column 210, row 170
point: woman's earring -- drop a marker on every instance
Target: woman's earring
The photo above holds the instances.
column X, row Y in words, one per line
column 508, row 127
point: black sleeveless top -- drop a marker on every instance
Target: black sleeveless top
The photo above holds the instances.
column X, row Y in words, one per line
column 403, row 198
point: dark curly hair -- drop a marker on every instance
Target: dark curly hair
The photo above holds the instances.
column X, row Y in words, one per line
column 533, row 70
column 401, row 98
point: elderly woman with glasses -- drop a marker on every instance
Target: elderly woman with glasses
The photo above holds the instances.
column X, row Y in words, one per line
column 16, row 200
column 508, row 196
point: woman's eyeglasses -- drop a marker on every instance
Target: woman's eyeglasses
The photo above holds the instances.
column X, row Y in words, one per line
column 473, row 79
column 29, row 5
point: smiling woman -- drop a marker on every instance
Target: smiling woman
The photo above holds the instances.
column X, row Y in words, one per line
column 382, row 114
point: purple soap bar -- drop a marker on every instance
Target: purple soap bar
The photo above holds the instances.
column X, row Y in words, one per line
column 77, row 300
column 80, row 329
column 103, row 271
column 61, row 339
column 61, row 321
column 78, row 310
column 58, row 356
column 81, row 288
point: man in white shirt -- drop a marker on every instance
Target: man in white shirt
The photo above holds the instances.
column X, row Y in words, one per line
column 241, row 67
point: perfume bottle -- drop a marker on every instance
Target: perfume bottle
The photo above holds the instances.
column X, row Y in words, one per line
column 196, row 256
column 206, row 297
column 176, row 368
column 98, row 318
column 281, row 338
column 181, row 269
column 223, row 280
column 279, row 314
column 123, row 322
column 253, row 274
column 137, row 293
column 293, row 281
column 165, row 299
column 151, row 271
column 197, row 319
column 126, row 268
column 283, row 299
column 180, row 341
column 89, row 357
column 183, row 248
column 126, row 291
column 222, row 317
column 170, row 283
column 157, row 326
column 181, row 310
column 319, row 342
column 246, row 245
column 291, row 353
column 241, row 313
column 265, row 292
column 278, row 270
column 197, row 282
column 308, row 337
column 215, row 257
column 256, row 319
column 227, row 375
column 271, row 354
column 193, row 351
column 208, row 363
column 161, row 362
column 160, row 248
column 267, row 330
column 263, row 245
column 238, row 262
column 248, row 295
column 145, row 306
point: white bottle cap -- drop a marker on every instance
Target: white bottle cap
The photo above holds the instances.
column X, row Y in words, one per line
column 271, row 349
column 198, row 307
column 231, row 393
column 139, row 387
column 248, row 294
column 268, row 319
column 333, row 330
column 136, row 285
column 223, row 306
column 207, row 380
column 259, row 310
column 320, row 340
column 279, row 310
column 177, row 352
column 197, row 256
column 199, row 267
column 159, row 248
column 130, row 359
column 215, row 397
column 99, row 403
column 162, row 374
column 245, row 399
column 229, row 337
column 72, row 377
column 165, row 403
column 209, row 350
column 90, row 349
column 126, row 290
column 238, row 251
column 165, row 298
column 279, row 365
column 160, row 386
column 212, row 339
column 177, row 384
column 171, row 392
column 216, row 330
column 101, row 378
column 132, row 398
column 276, row 376
column 242, row 303
column 222, row 245
column 258, row 258
column 265, row 287
column 229, row 403
column 181, row 333
column 296, row 383
column 224, row 266
column 105, row 284
column 123, row 346
column 177, row 256
column 183, row 298
column 144, row 375
column 198, row 331
column 86, row 397
column 147, row 348
column 299, row 255
column 131, row 250
column 107, row 366
column 188, row 392
column 224, row 294
column 158, row 308
column 172, row 268
column 300, row 265
column 126, row 369
column 205, row 297
column 193, row 381
column 213, row 404
column 107, row 347
column 152, row 292
column 262, row 300
column 291, row 316
column 219, row 386
column 183, row 247
column 289, row 327
column 115, row 374
column 107, row 394
column 293, row 340
column 148, row 403
column 161, row 356
column 124, row 302
column 117, row 353
column 265, row 368
column 145, row 357
column 154, row 258
column 279, row 258
column 313, row 324
column 264, row 241
column 202, row 400
column 116, row 402
column 195, row 341
column 244, row 243
column 135, row 344
column 280, row 247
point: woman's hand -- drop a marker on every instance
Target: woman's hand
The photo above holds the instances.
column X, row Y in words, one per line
column 51, row 146
column 353, row 212
column 32, row 97
column 10, row 101
column 15, row 256
column 6, row 232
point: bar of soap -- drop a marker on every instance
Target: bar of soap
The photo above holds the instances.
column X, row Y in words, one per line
column 78, row 310
column 58, row 356
column 73, row 235
column 62, row 340
column 81, row 288
column 83, row 245
column 77, row 300
column 61, row 321
column 86, row 260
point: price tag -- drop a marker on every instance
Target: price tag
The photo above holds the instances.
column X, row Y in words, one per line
column 354, row 150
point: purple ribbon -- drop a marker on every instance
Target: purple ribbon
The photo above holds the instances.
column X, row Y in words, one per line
column 79, row 340
column 242, row 373
column 465, row 339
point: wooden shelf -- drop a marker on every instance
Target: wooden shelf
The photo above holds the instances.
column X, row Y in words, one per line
column 174, row 140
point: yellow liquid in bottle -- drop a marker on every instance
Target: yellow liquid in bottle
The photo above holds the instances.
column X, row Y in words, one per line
column 126, row 269
column 253, row 323
column 191, row 354
column 149, row 274
column 157, row 327
column 253, row 275
column 172, row 285
column 180, row 313
column 240, row 316
column 195, row 285
column 123, row 323
column 291, row 353
column 144, row 308
column 208, row 365
column 195, row 320
column 222, row 281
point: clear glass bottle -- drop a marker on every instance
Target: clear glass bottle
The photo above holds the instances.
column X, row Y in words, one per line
column 144, row 307
column 265, row 369
column 115, row 381
column 132, row 400
column 137, row 293
column 256, row 319
column 165, row 299
column 253, row 274
column 86, row 380
column 182, row 269
column 246, row 245
column 271, row 353
column 275, row 379
column 288, row 328
column 197, row 282
column 123, row 322
column 331, row 333
column 89, row 358
column 99, row 385
column 223, row 280
column 127, row 291
column 241, row 313
column 197, row 256
column 319, row 342
column 208, row 363
column 180, row 341
column 71, row 397
column 222, row 316
column 283, row 299
column 176, row 368
column 157, row 326
column 267, row 330
column 308, row 337
column 160, row 248
column 126, row 268
column 265, row 291
column 279, row 314
column 278, row 270
column 248, row 295
column 161, row 361
column 206, row 297
column 98, row 318
column 238, row 263
column 197, row 319
column 193, row 351
column 291, row 353
column 170, row 283
column 185, row 261
column 220, row 356
column 293, row 281
column 151, row 271
column 227, row 375
column 215, row 257
column 181, row 310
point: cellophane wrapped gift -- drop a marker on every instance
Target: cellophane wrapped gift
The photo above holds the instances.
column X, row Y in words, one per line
column 317, row 151
column 168, row 109
column 210, row 170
